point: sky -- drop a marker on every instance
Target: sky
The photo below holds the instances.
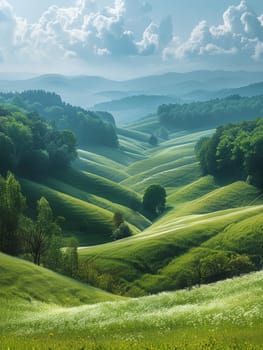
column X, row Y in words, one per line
column 126, row 38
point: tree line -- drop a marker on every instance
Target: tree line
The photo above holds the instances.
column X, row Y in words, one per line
column 234, row 152
column 90, row 128
column 210, row 113
column 31, row 147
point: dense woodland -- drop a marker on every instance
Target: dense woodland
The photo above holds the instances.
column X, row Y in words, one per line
column 90, row 128
column 31, row 147
column 234, row 152
column 198, row 115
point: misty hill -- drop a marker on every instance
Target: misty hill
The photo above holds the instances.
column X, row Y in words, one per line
column 244, row 91
column 90, row 90
column 139, row 101
column 130, row 108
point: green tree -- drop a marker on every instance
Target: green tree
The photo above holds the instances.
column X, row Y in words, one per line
column 122, row 231
column 121, row 228
column 39, row 234
column 70, row 264
column 12, row 205
column 154, row 199
column 153, row 140
column 7, row 154
column 214, row 267
column 117, row 219
column 53, row 259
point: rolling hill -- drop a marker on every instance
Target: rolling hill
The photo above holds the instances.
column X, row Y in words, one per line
column 86, row 91
column 225, row 315
column 199, row 210
column 105, row 181
column 24, row 282
column 204, row 218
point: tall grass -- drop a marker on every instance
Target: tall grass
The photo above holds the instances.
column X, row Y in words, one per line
column 225, row 315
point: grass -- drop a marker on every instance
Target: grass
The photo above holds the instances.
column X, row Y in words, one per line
column 42, row 310
column 24, row 283
column 225, row 315
column 133, row 134
column 146, row 256
column 97, row 185
column 157, row 171
column 95, row 168
column 131, row 216
column 161, row 156
column 177, row 177
column 235, row 195
column 146, row 125
column 241, row 237
column 93, row 222
column 194, row 190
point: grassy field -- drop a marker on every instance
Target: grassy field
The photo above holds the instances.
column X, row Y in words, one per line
column 151, row 262
column 42, row 310
column 90, row 223
column 225, row 315
column 25, row 283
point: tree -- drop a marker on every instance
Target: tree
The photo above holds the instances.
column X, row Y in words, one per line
column 12, row 205
column 7, row 154
column 122, row 229
column 39, row 234
column 154, row 199
column 53, row 259
column 117, row 219
column 70, row 264
column 153, row 140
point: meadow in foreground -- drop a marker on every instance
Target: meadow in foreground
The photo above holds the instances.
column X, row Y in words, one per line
column 225, row 315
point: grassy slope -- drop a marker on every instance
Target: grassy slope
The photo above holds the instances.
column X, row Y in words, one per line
column 138, row 263
column 88, row 201
column 89, row 222
column 100, row 186
column 131, row 216
column 203, row 217
column 199, row 211
column 223, row 316
column 21, row 281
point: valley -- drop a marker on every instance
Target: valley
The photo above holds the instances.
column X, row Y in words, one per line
column 204, row 217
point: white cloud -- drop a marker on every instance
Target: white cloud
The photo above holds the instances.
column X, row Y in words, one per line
column 125, row 29
column 84, row 31
column 240, row 35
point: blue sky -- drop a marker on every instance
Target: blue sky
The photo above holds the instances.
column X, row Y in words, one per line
column 125, row 38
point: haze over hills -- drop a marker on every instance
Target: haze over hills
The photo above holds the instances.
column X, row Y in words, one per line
column 87, row 91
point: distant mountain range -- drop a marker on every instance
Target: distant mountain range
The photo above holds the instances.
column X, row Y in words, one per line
column 91, row 91
column 244, row 91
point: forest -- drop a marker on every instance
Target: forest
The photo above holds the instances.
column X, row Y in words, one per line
column 234, row 152
column 90, row 128
column 210, row 114
column 31, row 147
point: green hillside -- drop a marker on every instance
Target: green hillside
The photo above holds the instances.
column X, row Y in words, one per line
column 23, row 283
column 225, row 315
column 203, row 220
column 131, row 216
column 90, row 223
column 142, row 264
